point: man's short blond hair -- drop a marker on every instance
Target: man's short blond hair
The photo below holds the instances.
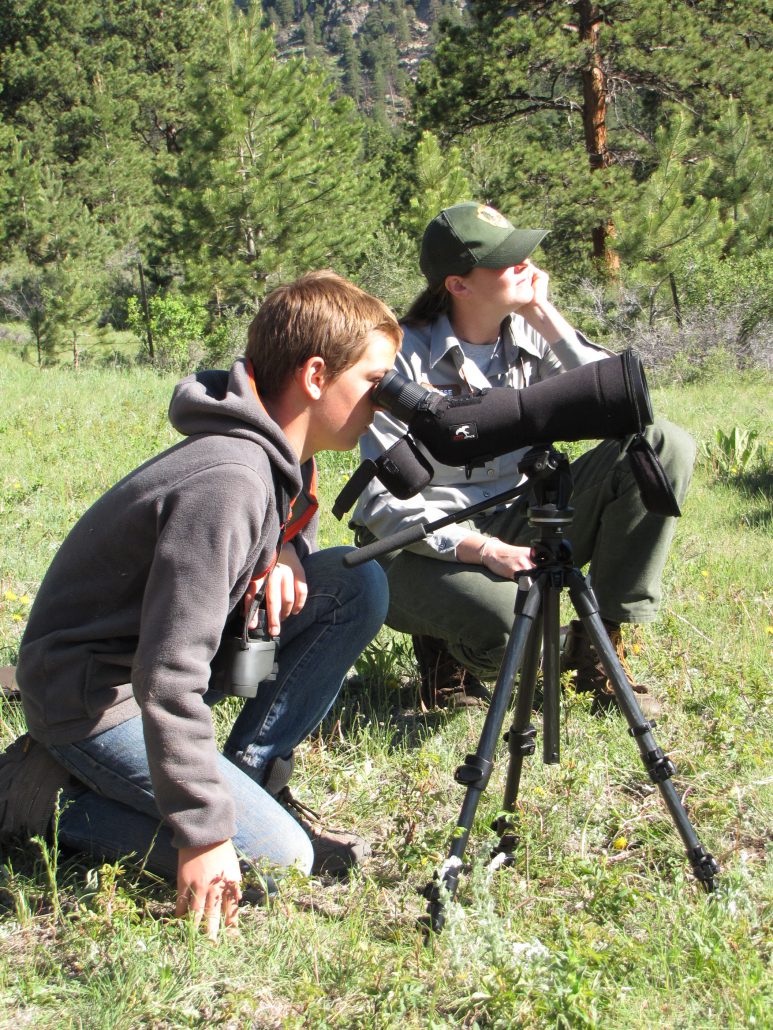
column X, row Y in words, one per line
column 320, row 314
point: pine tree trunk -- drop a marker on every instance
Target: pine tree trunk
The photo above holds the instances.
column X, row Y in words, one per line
column 146, row 311
column 675, row 298
column 595, row 121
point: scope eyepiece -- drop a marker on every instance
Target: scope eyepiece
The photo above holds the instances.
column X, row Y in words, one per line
column 402, row 397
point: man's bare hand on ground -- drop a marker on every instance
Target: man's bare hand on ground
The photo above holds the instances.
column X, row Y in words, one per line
column 209, row 885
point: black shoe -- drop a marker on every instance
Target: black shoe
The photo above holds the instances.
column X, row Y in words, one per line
column 445, row 682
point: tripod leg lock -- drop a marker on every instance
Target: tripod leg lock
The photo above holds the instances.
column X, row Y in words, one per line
column 444, row 881
column 432, row 891
column 704, row 865
column 645, row 727
column 659, row 765
column 521, row 743
column 508, row 842
column 475, row 772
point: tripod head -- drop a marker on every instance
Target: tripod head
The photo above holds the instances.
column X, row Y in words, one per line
column 548, row 477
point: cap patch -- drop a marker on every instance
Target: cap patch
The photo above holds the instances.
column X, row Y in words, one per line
column 488, row 214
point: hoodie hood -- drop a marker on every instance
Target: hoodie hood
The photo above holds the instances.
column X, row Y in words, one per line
column 225, row 403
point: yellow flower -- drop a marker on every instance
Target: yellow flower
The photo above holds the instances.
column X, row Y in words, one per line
column 9, row 595
column 620, row 843
column 25, row 599
column 16, row 618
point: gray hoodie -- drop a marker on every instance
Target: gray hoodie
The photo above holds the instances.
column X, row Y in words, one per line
column 131, row 611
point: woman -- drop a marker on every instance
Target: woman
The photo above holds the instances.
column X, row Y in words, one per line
column 485, row 320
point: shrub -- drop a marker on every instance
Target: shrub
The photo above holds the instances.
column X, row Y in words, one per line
column 177, row 326
column 225, row 339
column 714, row 335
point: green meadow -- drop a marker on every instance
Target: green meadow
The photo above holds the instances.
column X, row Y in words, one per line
column 598, row 923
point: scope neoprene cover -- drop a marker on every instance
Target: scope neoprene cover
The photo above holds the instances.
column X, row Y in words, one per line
column 604, row 399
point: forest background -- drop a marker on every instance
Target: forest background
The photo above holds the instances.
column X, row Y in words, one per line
column 163, row 165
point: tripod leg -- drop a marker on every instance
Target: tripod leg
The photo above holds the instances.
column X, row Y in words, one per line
column 658, row 765
column 476, row 770
column 520, row 742
column 551, row 671
column 545, row 639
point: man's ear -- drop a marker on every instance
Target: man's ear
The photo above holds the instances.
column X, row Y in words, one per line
column 311, row 377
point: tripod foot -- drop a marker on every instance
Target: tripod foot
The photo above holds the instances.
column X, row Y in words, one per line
column 704, row 866
column 503, row 855
column 440, row 890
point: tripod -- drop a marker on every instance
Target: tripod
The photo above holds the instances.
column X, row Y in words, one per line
column 536, row 628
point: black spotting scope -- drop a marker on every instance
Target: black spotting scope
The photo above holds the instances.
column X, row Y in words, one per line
column 607, row 398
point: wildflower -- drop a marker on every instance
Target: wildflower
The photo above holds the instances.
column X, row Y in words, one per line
column 9, row 595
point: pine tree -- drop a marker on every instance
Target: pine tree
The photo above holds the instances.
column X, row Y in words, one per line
column 89, row 103
column 272, row 179
column 72, row 301
column 350, row 63
column 440, row 182
column 310, row 47
column 56, row 274
column 285, row 10
column 741, row 179
column 671, row 221
column 560, row 65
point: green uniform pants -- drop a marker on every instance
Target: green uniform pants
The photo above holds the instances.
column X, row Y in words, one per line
column 626, row 546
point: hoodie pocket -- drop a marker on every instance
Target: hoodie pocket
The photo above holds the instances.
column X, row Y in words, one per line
column 107, row 683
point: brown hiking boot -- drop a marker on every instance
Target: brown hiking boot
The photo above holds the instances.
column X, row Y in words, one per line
column 336, row 852
column 580, row 654
column 8, row 688
column 445, row 683
column 30, row 780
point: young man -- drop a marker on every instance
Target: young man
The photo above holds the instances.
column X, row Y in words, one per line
column 485, row 320
column 114, row 666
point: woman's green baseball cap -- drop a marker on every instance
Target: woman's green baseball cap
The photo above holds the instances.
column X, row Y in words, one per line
column 472, row 235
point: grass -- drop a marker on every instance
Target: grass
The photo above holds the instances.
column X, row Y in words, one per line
column 598, row 924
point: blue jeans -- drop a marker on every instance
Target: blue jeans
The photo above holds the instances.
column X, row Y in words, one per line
column 113, row 812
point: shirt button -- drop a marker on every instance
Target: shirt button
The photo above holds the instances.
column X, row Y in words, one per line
column 490, row 473
column 487, row 493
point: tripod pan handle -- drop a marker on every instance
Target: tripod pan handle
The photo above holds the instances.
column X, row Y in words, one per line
column 390, row 543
